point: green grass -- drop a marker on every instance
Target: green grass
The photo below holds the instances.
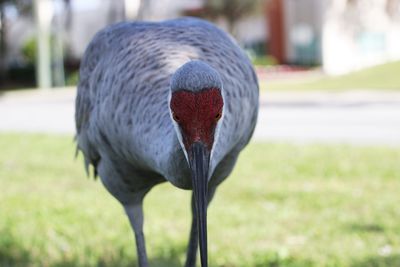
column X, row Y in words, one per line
column 284, row 205
column 386, row 76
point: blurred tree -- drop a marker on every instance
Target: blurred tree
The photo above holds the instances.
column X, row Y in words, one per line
column 231, row 10
column 57, row 47
column 144, row 7
column 116, row 11
column 68, row 15
column 3, row 48
column 29, row 51
column 60, row 23
column 23, row 7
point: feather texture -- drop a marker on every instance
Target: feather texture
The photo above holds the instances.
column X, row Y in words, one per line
column 123, row 121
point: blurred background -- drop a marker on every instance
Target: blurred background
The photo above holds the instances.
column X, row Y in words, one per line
column 42, row 41
column 318, row 185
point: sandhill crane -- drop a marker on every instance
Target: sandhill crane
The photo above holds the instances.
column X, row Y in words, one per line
column 172, row 101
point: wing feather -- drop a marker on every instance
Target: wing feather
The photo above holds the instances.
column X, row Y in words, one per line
column 84, row 99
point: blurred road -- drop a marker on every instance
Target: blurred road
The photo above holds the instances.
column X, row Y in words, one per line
column 50, row 111
column 355, row 117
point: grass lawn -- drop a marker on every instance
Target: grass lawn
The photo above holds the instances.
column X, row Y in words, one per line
column 285, row 205
column 386, row 76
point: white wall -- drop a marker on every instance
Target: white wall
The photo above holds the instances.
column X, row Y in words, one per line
column 303, row 28
column 359, row 36
column 252, row 29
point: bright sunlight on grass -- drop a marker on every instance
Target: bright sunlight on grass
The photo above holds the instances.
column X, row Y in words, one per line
column 385, row 76
column 285, row 205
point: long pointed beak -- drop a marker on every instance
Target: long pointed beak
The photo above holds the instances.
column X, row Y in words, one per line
column 199, row 158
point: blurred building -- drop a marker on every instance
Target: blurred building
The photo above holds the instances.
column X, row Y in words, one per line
column 89, row 16
column 341, row 35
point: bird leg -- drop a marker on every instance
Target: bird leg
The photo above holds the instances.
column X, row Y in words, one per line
column 135, row 215
column 191, row 253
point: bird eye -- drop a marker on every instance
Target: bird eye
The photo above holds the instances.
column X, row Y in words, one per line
column 175, row 117
column 218, row 116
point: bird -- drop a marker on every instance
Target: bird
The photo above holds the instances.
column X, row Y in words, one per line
column 172, row 101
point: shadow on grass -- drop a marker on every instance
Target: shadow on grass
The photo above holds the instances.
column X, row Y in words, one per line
column 24, row 259
column 365, row 227
column 157, row 262
column 13, row 257
column 273, row 259
column 13, row 254
column 379, row 261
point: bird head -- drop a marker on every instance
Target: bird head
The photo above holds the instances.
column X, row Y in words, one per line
column 196, row 107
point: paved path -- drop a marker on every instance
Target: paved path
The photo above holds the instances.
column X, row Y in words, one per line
column 38, row 111
column 356, row 117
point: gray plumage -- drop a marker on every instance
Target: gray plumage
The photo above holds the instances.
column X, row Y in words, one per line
column 195, row 75
column 123, row 120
